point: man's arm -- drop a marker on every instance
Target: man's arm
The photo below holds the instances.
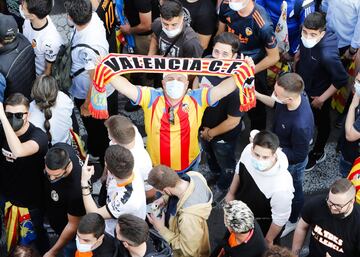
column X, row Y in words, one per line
column 90, row 206
column 230, row 123
column 228, row 85
column 272, row 233
column 143, row 26
column 233, row 188
column 221, row 28
column 267, row 100
column 204, row 40
column 66, row 236
column 299, row 236
column 271, row 58
column 17, row 148
column 153, row 47
column 318, row 101
column 122, row 85
column 350, row 132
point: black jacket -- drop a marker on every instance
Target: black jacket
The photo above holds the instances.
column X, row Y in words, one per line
column 17, row 64
column 321, row 66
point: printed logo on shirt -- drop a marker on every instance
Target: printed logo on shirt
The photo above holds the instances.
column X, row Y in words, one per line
column 164, row 45
column 185, row 107
column 326, row 238
column 187, row 17
column 243, row 40
column 248, row 31
column 8, row 155
column 54, row 196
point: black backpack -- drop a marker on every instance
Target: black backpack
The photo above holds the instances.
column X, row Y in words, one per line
column 61, row 68
column 162, row 247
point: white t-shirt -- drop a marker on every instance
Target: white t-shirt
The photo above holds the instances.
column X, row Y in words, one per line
column 46, row 42
column 142, row 160
column 129, row 199
column 60, row 122
column 93, row 35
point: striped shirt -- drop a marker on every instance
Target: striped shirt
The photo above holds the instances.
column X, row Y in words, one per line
column 172, row 132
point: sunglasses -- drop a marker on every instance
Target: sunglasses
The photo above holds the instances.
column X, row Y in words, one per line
column 18, row 115
column 171, row 115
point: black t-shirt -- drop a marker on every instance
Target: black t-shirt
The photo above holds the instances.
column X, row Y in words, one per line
column 228, row 105
column 64, row 196
column 201, row 16
column 106, row 12
column 254, row 247
column 21, row 178
column 134, row 7
column 338, row 237
column 123, row 252
column 106, row 249
column 187, row 44
column 255, row 31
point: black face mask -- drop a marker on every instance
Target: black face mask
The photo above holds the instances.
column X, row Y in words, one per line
column 16, row 123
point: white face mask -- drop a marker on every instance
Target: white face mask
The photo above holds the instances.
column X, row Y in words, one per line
column 309, row 42
column 22, row 14
column 237, row 6
column 273, row 96
column 83, row 248
column 172, row 33
column 357, row 88
column 260, row 164
column 175, row 89
column 70, row 22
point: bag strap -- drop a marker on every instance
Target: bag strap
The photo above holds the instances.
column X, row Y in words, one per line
column 79, row 71
column 173, row 43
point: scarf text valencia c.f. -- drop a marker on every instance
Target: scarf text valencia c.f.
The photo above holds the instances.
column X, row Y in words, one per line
column 118, row 64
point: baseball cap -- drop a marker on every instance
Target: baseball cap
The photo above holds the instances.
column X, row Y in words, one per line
column 8, row 27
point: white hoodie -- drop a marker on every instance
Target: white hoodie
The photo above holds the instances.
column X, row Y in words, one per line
column 276, row 184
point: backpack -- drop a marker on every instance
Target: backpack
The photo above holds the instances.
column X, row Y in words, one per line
column 61, row 68
column 162, row 247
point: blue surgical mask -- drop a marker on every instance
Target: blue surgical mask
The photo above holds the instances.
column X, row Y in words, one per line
column 83, row 248
column 260, row 165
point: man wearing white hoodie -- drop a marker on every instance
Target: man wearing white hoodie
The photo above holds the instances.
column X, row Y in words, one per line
column 263, row 182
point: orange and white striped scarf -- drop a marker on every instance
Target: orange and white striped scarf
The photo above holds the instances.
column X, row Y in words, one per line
column 118, row 64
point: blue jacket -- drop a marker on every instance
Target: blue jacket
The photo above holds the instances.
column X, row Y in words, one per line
column 321, row 66
column 297, row 10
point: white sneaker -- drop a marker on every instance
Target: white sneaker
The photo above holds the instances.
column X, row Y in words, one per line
column 289, row 227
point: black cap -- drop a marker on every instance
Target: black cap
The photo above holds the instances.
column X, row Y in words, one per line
column 8, row 27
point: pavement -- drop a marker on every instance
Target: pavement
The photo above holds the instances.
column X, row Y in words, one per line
column 316, row 182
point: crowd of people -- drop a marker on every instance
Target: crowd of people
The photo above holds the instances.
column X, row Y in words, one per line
column 154, row 201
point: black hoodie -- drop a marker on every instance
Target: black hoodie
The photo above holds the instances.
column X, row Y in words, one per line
column 321, row 66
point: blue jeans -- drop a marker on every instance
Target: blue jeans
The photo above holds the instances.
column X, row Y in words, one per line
column 297, row 173
column 220, row 157
column 344, row 166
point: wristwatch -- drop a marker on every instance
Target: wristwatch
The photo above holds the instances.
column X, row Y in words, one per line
column 352, row 51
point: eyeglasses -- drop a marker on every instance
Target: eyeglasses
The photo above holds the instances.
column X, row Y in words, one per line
column 171, row 115
column 58, row 177
column 337, row 207
column 18, row 115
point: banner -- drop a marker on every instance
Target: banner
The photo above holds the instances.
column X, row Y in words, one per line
column 118, row 64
